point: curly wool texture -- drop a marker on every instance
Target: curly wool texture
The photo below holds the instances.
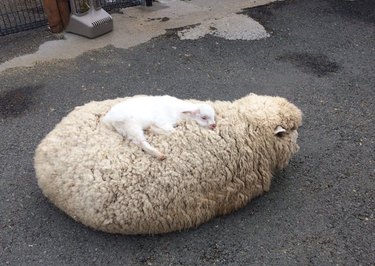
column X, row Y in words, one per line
column 107, row 183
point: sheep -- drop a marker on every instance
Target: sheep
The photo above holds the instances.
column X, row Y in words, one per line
column 105, row 182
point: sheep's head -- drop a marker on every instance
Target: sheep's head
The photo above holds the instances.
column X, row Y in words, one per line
column 285, row 145
column 284, row 122
column 278, row 121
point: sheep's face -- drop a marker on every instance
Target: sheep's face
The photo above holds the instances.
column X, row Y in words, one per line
column 285, row 145
column 281, row 120
column 286, row 135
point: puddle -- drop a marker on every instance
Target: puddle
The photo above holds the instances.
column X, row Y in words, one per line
column 15, row 102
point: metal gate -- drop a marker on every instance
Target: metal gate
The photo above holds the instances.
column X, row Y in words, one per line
column 20, row 15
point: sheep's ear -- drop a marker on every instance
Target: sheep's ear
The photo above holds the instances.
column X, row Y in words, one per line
column 279, row 130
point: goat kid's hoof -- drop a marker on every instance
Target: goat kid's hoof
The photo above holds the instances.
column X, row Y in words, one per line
column 162, row 157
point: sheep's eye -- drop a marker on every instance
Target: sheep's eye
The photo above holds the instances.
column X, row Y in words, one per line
column 204, row 117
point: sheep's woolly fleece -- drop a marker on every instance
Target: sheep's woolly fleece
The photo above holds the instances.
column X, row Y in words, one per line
column 107, row 183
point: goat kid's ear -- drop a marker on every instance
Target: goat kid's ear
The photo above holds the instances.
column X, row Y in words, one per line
column 279, row 130
column 195, row 112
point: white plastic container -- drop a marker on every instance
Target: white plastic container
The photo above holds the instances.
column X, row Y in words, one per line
column 89, row 19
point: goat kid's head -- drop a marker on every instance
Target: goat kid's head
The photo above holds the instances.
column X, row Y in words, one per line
column 204, row 115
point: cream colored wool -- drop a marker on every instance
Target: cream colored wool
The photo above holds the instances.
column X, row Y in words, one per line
column 107, row 183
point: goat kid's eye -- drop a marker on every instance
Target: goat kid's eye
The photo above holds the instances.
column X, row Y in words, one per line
column 204, row 117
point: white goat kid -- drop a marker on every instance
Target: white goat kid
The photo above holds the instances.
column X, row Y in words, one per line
column 159, row 114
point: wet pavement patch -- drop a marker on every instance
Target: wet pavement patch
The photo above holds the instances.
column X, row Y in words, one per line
column 17, row 101
column 317, row 64
column 24, row 42
column 163, row 19
column 173, row 31
column 363, row 10
column 264, row 13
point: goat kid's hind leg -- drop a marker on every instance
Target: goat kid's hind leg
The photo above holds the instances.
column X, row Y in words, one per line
column 136, row 135
column 152, row 150
column 141, row 141
column 164, row 129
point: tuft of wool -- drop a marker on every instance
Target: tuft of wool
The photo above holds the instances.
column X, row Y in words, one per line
column 106, row 182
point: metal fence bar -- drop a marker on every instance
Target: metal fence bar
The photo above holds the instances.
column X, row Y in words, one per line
column 21, row 15
column 109, row 5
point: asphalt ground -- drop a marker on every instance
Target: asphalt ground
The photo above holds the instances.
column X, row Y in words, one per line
column 319, row 211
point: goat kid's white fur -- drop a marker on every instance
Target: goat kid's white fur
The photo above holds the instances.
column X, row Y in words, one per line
column 159, row 114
